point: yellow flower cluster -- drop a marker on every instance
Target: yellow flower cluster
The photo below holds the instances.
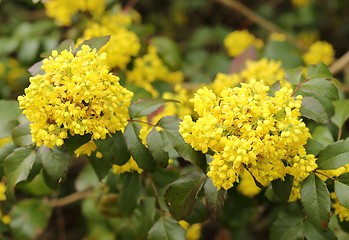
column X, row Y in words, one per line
column 341, row 211
column 269, row 71
column 63, row 10
column 130, row 166
column 238, row 41
column 300, row 3
column 248, row 129
column 193, row 231
column 149, row 68
column 123, row 44
column 4, row 218
column 320, row 51
column 76, row 95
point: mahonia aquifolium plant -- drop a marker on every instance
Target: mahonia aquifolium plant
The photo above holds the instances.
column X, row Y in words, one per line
column 77, row 95
column 247, row 129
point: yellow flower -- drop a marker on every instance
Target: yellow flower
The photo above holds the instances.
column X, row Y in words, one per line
column 2, row 191
column 76, row 95
column 130, row 166
column 341, row 211
column 149, row 68
column 248, row 129
column 238, row 41
column 193, row 231
column 320, row 51
column 86, row 149
column 247, row 185
column 300, row 3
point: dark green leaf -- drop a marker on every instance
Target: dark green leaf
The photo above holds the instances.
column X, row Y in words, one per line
column 5, row 150
column 294, row 75
column 169, row 122
column 284, row 51
column 341, row 112
column 287, row 228
column 168, row 51
column 140, row 153
column 313, row 233
column 180, row 195
column 166, row 229
column 6, row 128
column 114, row 149
column 17, row 167
column 322, row 87
column 314, row 147
column 282, row 188
column 312, row 109
column 129, row 193
column 101, row 166
column 318, row 71
column 334, row 155
column 55, row 162
column 74, row 142
column 29, row 218
column 156, row 147
column 341, row 187
column 323, row 135
column 199, row 213
column 316, row 201
column 96, row 43
column 214, row 199
column 145, row 107
column 21, row 135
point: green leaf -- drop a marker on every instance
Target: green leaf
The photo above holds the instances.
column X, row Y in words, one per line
column 214, row 199
column 284, row 51
column 318, row 71
column 148, row 214
column 74, row 142
column 323, row 135
column 156, row 147
column 29, row 218
column 199, row 213
column 314, row 147
column 36, row 187
column 287, row 228
column 101, row 166
column 35, row 69
column 341, row 112
column 166, row 228
column 322, row 87
column 21, row 135
column 282, row 188
column 9, row 110
column 55, row 162
column 168, row 51
column 316, row 201
column 65, row 45
column 169, row 122
column 313, row 233
column 341, row 187
column 145, row 107
column 96, row 42
column 312, row 109
column 5, row 150
column 6, row 128
column 180, row 195
column 114, row 149
column 294, row 75
column 17, row 167
column 129, row 193
column 140, row 153
column 334, row 155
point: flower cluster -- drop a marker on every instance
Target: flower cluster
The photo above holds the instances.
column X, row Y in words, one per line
column 341, row 211
column 247, row 129
column 63, row 10
column 76, row 95
column 193, row 231
column 123, row 44
column 318, row 52
column 149, row 68
column 6, row 219
column 238, row 41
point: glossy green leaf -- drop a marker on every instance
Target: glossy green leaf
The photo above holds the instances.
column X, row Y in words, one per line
column 101, row 166
column 323, row 135
column 314, row 147
column 322, row 87
column 180, row 195
column 214, row 199
column 341, row 187
column 145, row 107
column 169, row 122
column 21, row 135
column 168, row 51
column 294, row 75
column 55, row 162
column 6, row 128
column 74, row 142
column 282, row 188
column 316, row 201
column 140, row 153
column 157, row 149
column 114, row 149
column 334, row 155
column 318, row 71
column 129, row 193
column 96, row 42
column 341, row 112
column 6, row 150
column 166, row 228
column 17, row 167
column 9, row 110
column 312, row 109
column 287, row 228
column 313, row 233
column 29, row 219
column 198, row 214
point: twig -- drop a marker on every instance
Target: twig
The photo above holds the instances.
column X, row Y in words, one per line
column 339, row 134
column 340, row 63
column 315, row 171
column 74, row 197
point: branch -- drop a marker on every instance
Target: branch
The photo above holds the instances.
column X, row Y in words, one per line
column 74, row 197
column 339, row 64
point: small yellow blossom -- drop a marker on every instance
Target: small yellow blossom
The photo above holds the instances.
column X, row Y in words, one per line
column 77, row 95
column 130, row 166
column 193, row 231
column 248, row 129
column 320, row 51
column 278, row 37
column 2, row 191
column 86, row 149
column 238, row 41
column 341, row 211
column 247, row 185
column 149, row 68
